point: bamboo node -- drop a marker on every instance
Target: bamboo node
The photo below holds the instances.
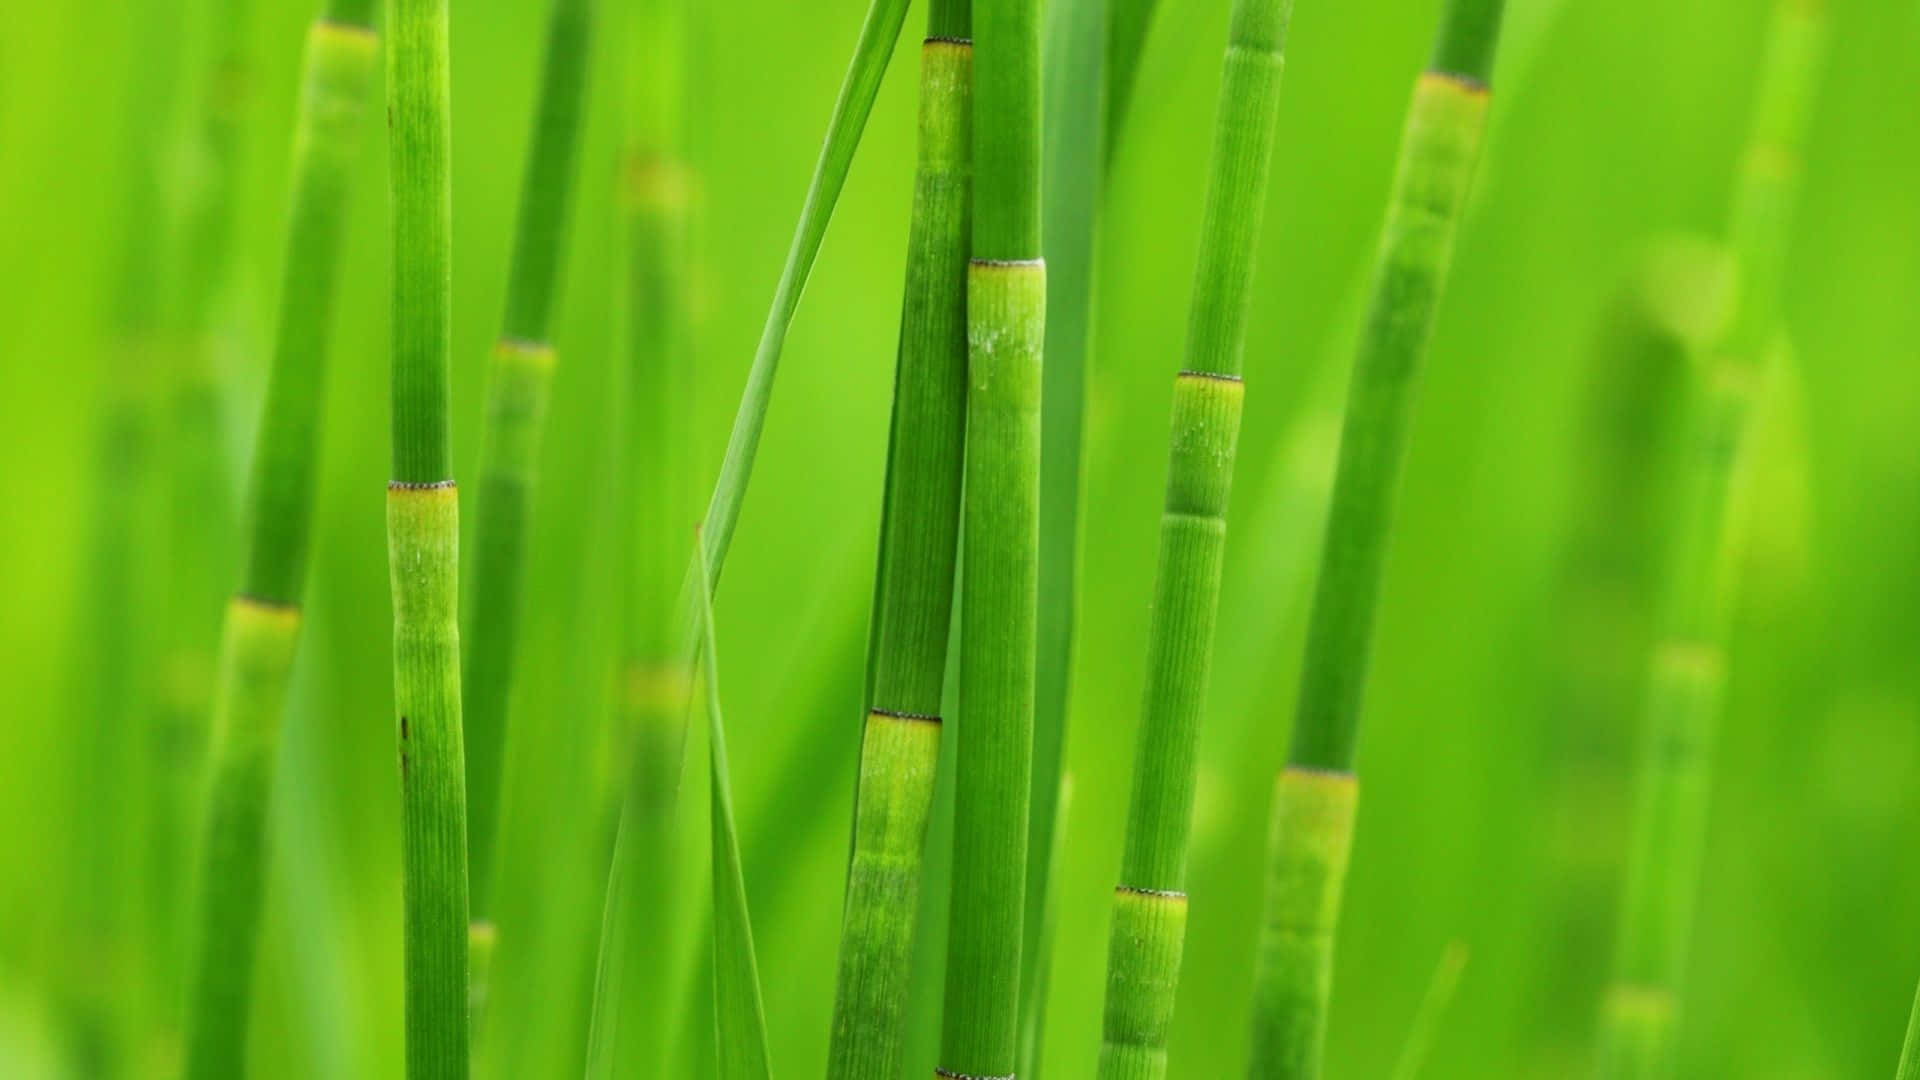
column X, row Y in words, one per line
column 1210, row 376
column 1454, row 80
column 1171, row 895
column 949, row 1074
column 899, row 714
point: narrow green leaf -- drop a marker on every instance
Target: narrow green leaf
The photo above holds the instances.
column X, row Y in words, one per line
column 739, row 1017
column 1439, row 996
column 878, row 36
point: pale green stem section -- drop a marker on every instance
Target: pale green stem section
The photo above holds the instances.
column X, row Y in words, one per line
column 632, row 1031
column 252, row 686
column 913, row 602
column 1306, row 873
column 1006, row 315
column 517, row 395
column 200, row 537
column 423, row 538
column 256, row 664
column 1686, row 683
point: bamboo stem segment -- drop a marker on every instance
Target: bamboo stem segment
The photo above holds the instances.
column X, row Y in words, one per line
column 423, row 537
column 913, row 603
column 262, row 623
column 1687, row 677
column 519, row 387
column 1000, row 515
column 423, row 544
column 1150, row 907
column 1311, row 841
column 1308, row 849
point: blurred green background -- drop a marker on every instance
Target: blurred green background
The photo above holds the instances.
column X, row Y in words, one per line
column 1487, row 818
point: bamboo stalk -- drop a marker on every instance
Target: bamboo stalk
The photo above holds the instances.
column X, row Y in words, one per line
column 1316, row 793
column 519, row 387
column 644, row 817
column 1150, row 904
column 1074, row 103
column 630, row 1029
column 199, row 532
column 1687, row 673
column 1006, row 327
column 102, row 966
column 913, row 602
column 423, row 542
column 263, row 620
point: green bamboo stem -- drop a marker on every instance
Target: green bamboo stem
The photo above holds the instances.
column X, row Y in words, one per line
column 1313, row 819
column 878, row 35
column 1687, row 677
column 630, row 1030
column 519, row 386
column 1910, row 1048
column 112, row 663
column 1074, row 101
column 200, row 531
column 1150, row 904
column 1006, row 328
column 913, row 602
column 423, row 543
column 262, row 622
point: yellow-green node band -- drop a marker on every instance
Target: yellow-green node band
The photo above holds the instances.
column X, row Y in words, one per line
column 266, row 615
column 648, row 687
column 1639, row 1005
column 1165, row 896
column 655, row 181
column 1313, row 826
column 1697, row 661
column 345, row 34
column 949, row 1074
column 1465, row 86
column 537, row 355
column 955, row 47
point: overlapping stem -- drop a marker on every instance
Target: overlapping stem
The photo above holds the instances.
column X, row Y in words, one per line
column 1150, row 904
column 1006, row 326
column 113, row 660
column 913, row 596
column 518, row 389
column 1072, row 179
column 1639, row 1018
column 423, row 545
column 630, row 1030
column 262, row 622
column 199, row 536
column 1316, row 793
